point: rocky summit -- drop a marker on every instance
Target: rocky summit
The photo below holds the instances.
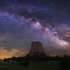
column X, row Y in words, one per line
column 36, row 49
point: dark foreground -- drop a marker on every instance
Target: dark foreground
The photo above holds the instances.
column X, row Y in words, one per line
column 46, row 65
column 36, row 63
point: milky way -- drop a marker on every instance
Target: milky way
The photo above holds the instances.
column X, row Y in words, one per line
column 25, row 21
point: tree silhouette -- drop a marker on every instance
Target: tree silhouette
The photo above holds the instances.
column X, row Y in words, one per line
column 26, row 64
column 64, row 65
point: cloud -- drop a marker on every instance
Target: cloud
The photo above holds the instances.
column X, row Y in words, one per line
column 14, row 52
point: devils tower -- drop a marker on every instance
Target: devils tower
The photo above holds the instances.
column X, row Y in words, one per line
column 36, row 49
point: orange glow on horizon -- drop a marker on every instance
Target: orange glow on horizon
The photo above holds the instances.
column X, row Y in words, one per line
column 14, row 52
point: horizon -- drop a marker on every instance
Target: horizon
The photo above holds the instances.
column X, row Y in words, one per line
column 25, row 21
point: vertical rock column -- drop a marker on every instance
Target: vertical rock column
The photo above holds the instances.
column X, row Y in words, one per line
column 36, row 48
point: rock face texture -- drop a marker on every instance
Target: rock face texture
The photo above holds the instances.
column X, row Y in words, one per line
column 36, row 49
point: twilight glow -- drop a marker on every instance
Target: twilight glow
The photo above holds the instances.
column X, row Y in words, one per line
column 25, row 21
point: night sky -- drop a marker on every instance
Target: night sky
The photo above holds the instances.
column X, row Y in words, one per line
column 25, row 21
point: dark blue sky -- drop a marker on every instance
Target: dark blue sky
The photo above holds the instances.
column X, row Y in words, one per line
column 25, row 21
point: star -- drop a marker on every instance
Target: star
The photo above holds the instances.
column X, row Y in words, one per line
column 25, row 21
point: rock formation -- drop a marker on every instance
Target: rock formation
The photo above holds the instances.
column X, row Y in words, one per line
column 36, row 49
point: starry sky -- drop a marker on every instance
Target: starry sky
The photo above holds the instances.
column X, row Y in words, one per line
column 25, row 21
